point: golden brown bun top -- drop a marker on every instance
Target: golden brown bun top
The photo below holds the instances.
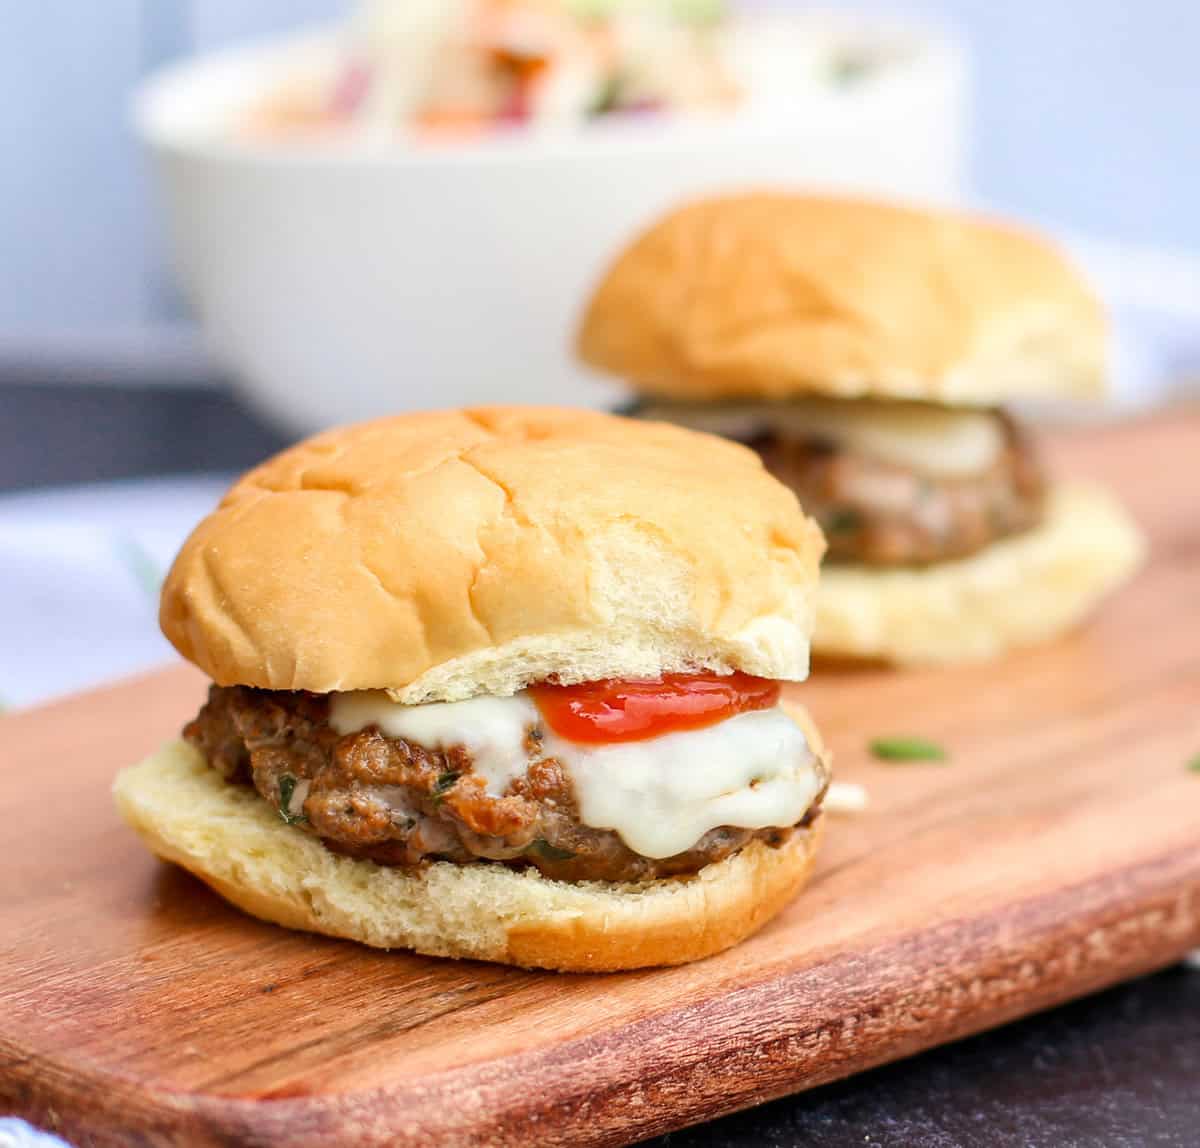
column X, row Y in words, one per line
column 771, row 295
column 446, row 554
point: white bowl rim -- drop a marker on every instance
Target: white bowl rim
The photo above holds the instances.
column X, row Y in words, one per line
column 159, row 105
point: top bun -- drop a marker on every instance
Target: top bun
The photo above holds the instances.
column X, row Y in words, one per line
column 453, row 553
column 772, row 296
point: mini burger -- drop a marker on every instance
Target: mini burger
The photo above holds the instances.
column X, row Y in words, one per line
column 499, row 683
column 866, row 351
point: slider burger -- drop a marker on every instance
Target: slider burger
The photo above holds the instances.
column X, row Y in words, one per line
column 498, row 683
column 865, row 352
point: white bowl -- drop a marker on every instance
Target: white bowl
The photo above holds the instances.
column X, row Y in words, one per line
column 339, row 280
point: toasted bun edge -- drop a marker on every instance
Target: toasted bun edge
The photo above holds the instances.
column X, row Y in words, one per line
column 1018, row 591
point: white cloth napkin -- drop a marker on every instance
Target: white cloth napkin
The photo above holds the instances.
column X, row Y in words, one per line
column 79, row 577
column 17, row 1134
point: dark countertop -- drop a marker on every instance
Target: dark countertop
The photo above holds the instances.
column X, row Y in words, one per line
column 1118, row 1069
column 52, row 434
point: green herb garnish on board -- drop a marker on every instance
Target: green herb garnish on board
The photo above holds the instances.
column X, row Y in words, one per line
column 842, row 522
column 907, row 749
column 287, row 787
column 1194, row 764
column 547, row 852
column 445, row 782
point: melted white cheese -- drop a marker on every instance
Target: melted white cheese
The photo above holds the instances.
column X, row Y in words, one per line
column 661, row 795
column 845, row 797
column 925, row 437
column 491, row 729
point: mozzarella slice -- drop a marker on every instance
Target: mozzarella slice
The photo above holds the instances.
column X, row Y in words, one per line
column 936, row 440
column 661, row 795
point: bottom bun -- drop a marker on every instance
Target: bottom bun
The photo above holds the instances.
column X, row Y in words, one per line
column 231, row 839
column 1021, row 590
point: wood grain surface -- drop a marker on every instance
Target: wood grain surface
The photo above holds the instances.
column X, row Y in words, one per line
column 1057, row 852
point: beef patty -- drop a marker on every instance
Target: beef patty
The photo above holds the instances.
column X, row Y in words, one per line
column 881, row 514
column 399, row 803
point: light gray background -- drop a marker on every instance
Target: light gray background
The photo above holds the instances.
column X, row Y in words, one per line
column 1086, row 114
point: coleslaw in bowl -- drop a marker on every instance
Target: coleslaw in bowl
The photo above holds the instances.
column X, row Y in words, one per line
column 347, row 272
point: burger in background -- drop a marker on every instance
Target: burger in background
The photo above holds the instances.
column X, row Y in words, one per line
column 867, row 352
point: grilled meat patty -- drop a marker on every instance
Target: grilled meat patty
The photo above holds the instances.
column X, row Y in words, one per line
column 399, row 803
column 880, row 514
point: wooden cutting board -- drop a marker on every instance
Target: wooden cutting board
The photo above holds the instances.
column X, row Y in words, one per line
column 1058, row 852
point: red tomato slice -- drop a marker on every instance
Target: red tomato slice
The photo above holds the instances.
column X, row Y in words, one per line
column 616, row 709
